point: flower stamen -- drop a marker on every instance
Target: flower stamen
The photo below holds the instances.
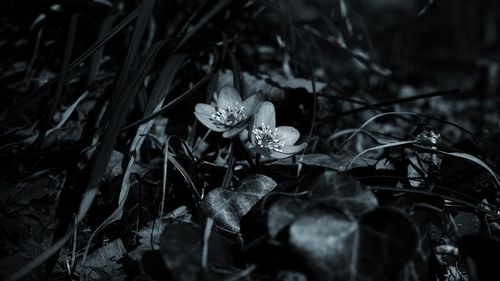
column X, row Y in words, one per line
column 268, row 138
column 230, row 116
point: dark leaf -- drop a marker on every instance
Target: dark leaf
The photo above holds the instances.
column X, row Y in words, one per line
column 483, row 256
column 103, row 263
column 334, row 247
column 181, row 249
column 343, row 192
column 335, row 162
column 227, row 207
column 331, row 189
column 282, row 213
column 149, row 236
column 153, row 266
column 296, row 83
column 467, row 223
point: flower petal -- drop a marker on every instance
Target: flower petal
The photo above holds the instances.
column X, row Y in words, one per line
column 231, row 132
column 204, row 112
column 251, row 135
column 279, row 155
column 292, row 149
column 244, row 137
column 266, row 115
column 204, row 108
column 228, row 97
column 253, row 103
column 289, row 135
column 287, row 151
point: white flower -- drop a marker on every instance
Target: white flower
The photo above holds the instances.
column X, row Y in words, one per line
column 230, row 115
column 272, row 141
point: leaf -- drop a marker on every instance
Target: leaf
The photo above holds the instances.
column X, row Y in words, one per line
column 181, row 249
column 227, row 207
column 282, row 213
column 102, row 264
column 333, row 247
column 149, row 236
column 28, row 216
column 251, row 84
column 343, row 192
column 482, row 255
column 334, row 162
column 467, row 223
column 296, row 83
column 331, row 189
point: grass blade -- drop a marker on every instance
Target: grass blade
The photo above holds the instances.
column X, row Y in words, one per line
column 215, row 9
column 95, row 60
column 160, row 90
column 62, row 81
column 41, row 92
column 140, row 27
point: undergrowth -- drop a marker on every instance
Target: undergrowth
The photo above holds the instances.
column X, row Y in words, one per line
column 248, row 140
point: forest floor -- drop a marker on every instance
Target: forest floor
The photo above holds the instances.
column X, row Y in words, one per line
column 250, row 140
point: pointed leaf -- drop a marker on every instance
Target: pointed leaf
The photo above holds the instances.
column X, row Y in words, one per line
column 227, row 207
column 333, row 247
column 296, row 83
column 335, row 162
column 343, row 192
column 181, row 249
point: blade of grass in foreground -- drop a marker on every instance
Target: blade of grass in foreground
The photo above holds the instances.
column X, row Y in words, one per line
column 160, row 90
column 140, row 27
column 110, row 136
column 103, row 151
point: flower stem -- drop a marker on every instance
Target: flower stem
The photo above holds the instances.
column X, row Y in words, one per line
column 257, row 161
column 226, row 182
column 247, row 155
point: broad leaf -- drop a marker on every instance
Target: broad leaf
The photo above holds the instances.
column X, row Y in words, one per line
column 251, row 84
column 333, row 162
column 103, row 263
column 332, row 246
column 343, row 192
column 296, row 83
column 149, row 236
column 282, row 213
column 227, row 207
column 331, row 189
column 181, row 249
column 483, row 256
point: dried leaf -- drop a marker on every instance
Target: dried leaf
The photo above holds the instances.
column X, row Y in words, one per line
column 103, row 263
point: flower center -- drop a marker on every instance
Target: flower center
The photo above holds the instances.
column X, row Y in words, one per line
column 229, row 116
column 267, row 138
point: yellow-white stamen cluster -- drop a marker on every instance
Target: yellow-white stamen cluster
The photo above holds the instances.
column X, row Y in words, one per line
column 267, row 138
column 230, row 116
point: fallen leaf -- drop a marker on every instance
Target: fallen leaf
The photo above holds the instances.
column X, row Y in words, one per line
column 103, row 263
